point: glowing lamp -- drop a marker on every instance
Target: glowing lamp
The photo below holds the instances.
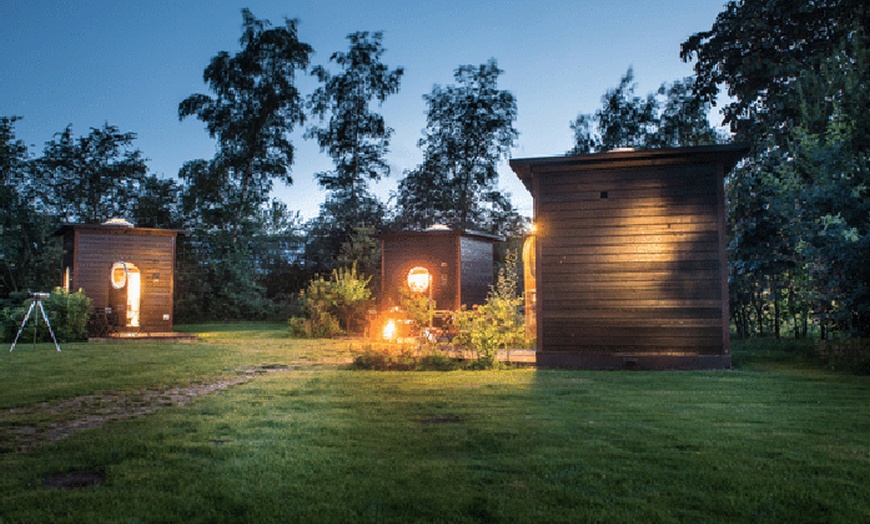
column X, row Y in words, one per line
column 390, row 330
column 418, row 279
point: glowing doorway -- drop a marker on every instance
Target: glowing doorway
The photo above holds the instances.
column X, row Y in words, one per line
column 126, row 277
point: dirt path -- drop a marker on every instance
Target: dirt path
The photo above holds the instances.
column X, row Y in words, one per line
column 65, row 417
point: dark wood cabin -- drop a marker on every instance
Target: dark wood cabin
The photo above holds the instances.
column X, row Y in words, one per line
column 127, row 272
column 454, row 267
column 630, row 258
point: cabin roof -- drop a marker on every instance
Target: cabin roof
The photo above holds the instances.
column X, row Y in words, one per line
column 429, row 233
column 726, row 154
column 120, row 229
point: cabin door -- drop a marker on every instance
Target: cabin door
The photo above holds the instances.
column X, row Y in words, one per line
column 126, row 293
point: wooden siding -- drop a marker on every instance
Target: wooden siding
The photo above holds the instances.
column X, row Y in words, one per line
column 630, row 256
column 95, row 250
column 630, row 261
column 437, row 253
column 476, row 264
column 460, row 265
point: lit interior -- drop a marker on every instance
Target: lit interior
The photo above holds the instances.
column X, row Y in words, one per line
column 134, row 291
column 390, row 330
column 128, row 275
column 418, row 279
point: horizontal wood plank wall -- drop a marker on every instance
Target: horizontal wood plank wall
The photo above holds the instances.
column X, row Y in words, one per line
column 476, row 264
column 154, row 255
column 435, row 252
column 630, row 261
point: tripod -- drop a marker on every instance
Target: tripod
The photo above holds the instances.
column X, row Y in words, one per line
column 37, row 301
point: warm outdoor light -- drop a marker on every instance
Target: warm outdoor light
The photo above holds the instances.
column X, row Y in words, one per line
column 418, row 279
column 134, row 292
column 390, row 330
column 128, row 275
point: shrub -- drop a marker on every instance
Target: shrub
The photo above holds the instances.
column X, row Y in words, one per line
column 497, row 324
column 344, row 296
column 318, row 325
column 67, row 313
column 401, row 357
column 418, row 306
column 851, row 355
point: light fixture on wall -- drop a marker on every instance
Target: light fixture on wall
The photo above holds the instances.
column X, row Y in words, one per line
column 419, row 279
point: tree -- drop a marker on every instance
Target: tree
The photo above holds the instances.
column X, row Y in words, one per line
column 157, row 204
column 27, row 254
column 683, row 120
column 334, row 227
column 355, row 137
column 628, row 120
column 469, row 129
column 345, row 296
column 89, row 179
column 797, row 73
column 254, row 108
column 762, row 49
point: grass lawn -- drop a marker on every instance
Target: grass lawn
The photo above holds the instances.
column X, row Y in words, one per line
column 298, row 437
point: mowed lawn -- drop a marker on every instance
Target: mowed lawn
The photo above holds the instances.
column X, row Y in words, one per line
column 300, row 437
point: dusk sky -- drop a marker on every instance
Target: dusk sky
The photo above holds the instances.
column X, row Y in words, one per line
column 88, row 62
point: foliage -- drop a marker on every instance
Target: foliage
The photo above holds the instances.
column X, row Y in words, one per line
column 335, row 229
column 89, row 179
column 761, row 49
column 628, row 120
column 355, row 137
column 849, row 355
column 799, row 206
column 344, row 296
column 28, row 253
column 157, row 204
column 254, row 108
column 419, row 307
column 364, row 250
column 67, row 313
column 469, row 129
column 497, row 324
column 400, row 357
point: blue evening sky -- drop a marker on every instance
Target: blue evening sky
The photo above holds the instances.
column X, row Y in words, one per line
column 130, row 63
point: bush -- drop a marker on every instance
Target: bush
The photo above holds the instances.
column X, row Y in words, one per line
column 418, row 306
column 344, row 296
column 851, row 355
column 320, row 325
column 400, row 357
column 497, row 324
column 67, row 313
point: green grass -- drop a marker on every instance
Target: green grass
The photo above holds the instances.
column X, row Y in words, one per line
column 320, row 443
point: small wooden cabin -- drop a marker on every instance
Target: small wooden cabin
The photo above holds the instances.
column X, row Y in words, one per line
column 455, row 268
column 630, row 258
column 127, row 272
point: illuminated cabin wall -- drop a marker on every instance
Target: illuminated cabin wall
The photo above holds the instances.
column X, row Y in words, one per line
column 90, row 251
column 631, row 263
column 461, row 265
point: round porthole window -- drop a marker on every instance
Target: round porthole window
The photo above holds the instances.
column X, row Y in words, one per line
column 418, row 279
column 119, row 275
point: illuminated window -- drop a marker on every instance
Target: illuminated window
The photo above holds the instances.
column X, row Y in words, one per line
column 418, row 279
column 119, row 275
column 67, row 277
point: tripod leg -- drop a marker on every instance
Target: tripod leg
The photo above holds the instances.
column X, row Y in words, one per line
column 47, row 323
column 23, row 323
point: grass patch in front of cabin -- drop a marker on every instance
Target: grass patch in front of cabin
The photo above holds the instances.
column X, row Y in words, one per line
column 327, row 444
